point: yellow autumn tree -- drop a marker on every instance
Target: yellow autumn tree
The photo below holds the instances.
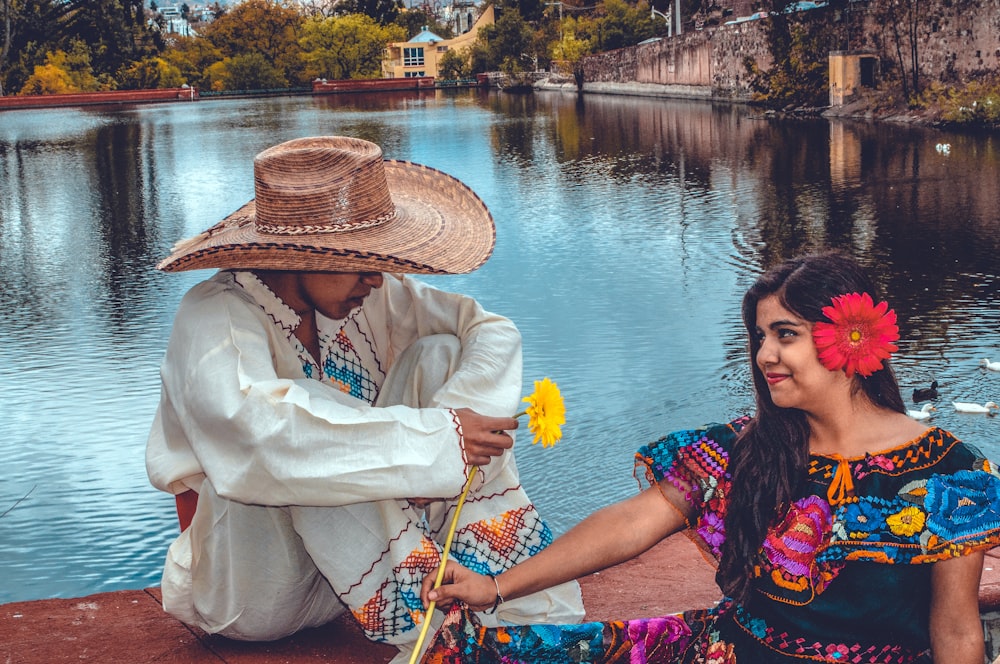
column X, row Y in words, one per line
column 265, row 27
column 63, row 73
column 149, row 73
column 48, row 79
column 193, row 56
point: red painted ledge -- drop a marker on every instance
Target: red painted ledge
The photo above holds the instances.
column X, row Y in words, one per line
column 93, row 98
column 323, row 86
column 130, row 626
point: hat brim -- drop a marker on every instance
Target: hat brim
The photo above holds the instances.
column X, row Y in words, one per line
column 440, row 227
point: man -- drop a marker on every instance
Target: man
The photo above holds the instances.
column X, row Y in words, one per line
column 321, row 411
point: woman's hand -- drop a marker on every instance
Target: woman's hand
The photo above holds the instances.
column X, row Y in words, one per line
column 483, row 436
column 459, row 584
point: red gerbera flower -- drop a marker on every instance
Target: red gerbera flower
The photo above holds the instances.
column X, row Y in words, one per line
column 859, row 336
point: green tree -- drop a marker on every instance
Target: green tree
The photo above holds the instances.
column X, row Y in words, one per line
column 799, row 48
column 620, row 24
column 192, row 56
column 479, row 58
column 115, row 30
column 63, row 72
column 902, row 20
column 7, row 6
column 568, row 50
column 149, row 73
column 383, row 11
column 249, row 71
column 351, row 46
column 508, row 43
column 455, row 65
column 266, row 27
column 31, row 30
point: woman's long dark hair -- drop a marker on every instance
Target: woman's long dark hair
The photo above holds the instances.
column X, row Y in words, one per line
column 768, row 461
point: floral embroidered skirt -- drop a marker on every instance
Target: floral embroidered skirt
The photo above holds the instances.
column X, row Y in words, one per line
column 462, row 640
column 709, row 636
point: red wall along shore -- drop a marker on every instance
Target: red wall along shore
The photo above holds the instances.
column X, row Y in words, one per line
column 93, row 98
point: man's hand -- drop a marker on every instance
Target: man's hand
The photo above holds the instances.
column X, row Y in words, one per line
column 484, row 437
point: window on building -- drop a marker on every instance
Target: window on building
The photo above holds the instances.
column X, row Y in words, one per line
column 413, row 57
column 413, row 74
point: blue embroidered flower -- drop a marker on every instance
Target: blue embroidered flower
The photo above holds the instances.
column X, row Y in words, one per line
column 962, row 504
column 863, row 517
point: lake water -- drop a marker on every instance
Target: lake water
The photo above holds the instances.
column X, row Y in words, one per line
column 628, row 229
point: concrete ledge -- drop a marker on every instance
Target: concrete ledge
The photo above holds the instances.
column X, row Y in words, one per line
column 649, row 90
column 130, row 626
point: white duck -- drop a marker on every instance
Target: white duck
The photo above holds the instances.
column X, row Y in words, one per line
column 963, row 407
column 923, row 413
column 992, row 366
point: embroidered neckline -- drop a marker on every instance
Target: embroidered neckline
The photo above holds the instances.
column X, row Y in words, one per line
column 273, row 306
column 836, row 458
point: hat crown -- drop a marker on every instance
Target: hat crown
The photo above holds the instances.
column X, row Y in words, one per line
column 321, row 185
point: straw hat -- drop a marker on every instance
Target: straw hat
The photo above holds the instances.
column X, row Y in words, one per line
column 332, row 203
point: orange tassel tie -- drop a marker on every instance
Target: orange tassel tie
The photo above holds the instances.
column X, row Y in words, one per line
column 843, row 484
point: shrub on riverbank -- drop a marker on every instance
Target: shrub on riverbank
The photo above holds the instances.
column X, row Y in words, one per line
column 976, row 103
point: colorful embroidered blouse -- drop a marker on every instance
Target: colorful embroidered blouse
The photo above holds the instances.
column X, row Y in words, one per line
column 840, row 578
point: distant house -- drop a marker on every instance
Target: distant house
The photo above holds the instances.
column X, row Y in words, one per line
column 420, row 55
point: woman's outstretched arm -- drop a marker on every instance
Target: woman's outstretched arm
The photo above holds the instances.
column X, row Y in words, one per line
column 956, row 630
column 607, row 537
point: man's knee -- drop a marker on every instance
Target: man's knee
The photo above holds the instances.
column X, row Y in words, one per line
column 447, row 342
column 420, row 371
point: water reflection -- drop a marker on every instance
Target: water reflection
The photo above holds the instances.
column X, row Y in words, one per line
column 627, row 231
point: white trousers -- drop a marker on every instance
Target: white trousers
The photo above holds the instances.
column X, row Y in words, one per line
column 259, row 573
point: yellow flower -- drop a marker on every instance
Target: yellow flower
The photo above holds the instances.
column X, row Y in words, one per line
column 906, row 522
column 546, row 414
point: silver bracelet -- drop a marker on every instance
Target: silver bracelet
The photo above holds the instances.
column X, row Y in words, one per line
column 499, row 599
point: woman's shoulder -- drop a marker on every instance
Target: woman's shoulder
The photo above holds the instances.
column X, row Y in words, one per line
column 936, row 450
column 722, row 434
column 703, row 450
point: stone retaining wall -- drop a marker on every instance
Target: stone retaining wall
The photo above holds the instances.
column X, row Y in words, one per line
column 958, row 41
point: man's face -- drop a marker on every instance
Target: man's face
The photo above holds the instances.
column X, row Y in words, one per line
column 335, row 294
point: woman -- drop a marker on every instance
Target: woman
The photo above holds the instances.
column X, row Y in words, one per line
column 823, row 511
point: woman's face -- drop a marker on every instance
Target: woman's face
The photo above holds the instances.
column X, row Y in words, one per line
column 788, row 359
